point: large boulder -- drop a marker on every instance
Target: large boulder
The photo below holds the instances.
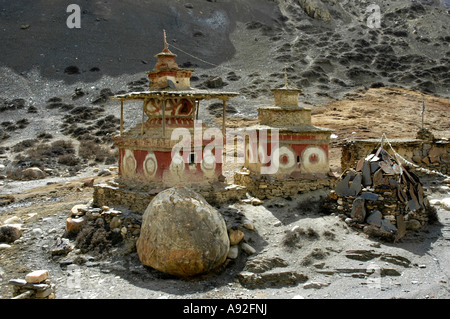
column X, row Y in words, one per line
column 31, row 173
column 10, row 233
column 182, row 234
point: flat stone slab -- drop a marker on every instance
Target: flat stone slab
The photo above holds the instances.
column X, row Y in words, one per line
column 369, row 196
column 23, row 283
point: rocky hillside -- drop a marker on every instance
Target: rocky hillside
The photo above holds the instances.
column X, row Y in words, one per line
column 57, row 82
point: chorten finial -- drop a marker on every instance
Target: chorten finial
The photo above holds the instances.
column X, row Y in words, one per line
column 285, row 76
column 166, row 48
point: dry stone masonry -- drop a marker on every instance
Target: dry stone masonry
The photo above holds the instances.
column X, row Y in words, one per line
column 382, row 197
column 425, row 151
column 36, row 285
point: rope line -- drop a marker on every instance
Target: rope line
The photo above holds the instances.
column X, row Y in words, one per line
column 192, row 56
column 422, row 169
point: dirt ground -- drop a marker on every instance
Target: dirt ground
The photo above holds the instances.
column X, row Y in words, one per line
column 323, row 257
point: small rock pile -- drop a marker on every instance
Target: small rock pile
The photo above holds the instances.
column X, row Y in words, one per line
column 382, row 197
column 36, row 285
column 118, row 221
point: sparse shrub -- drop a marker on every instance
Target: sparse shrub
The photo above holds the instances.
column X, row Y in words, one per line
column 25, row 144
column 90, row 150
column 69, row 160
column 55, row 149
column 45, row 136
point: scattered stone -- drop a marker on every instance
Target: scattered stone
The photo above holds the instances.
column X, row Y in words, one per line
column 375, row 218
column 36, row 276
column 413, row 224
column 63, row 247
column 89, row 182
column 235, row 236
column 256, row 202
column 445, row 203
column 74, row 224
column 270, row 279
column 4, row 246
column 248, row 249
column 369, row 196
column 182, row 234
column 233, row 252
column 13, row 220
column 263, row 264
column 10, row 233
column 104, row 172
column 115, row 222
column 355, row 187
column 32, row 173
column 248, row 225
column 358, row 210
column 315, row 285
column 36, row 232
column 363, row 255
column 77, row 210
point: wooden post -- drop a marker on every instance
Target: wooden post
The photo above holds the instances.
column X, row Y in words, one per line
column 197, row 110
column 143, row 117
column 164, row 117
column 224, row 116
column 121, row 117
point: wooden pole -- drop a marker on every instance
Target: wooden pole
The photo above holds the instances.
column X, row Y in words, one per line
column 121, row 117
column 197, row 110
column 164, row 117
column 143, row 117
column 224, row 116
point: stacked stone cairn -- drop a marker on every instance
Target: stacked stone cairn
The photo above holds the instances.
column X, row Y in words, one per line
column 128, row 226
column 36, row 285
column 382, row 197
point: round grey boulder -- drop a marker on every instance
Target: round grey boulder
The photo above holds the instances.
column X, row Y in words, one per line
column 182, row 234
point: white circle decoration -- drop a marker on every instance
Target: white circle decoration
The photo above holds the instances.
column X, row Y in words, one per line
column 177, row 164
column 150, row 165
column 314, row 160
column 129, row 163
column 286, row 157
column 208, row 163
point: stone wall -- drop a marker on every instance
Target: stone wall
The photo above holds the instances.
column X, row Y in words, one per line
column 116, row 196
column 284, row 116
column 268, row 187
column 430, row 154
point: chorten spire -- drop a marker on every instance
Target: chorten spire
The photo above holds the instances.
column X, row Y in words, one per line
column 285, row 76
column 166, row 46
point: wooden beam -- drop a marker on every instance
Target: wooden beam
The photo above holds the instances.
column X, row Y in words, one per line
column 121, row 117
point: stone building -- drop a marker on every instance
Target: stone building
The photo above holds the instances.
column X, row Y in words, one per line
column 146, row 157
column 302, row 161
column 170, row 146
